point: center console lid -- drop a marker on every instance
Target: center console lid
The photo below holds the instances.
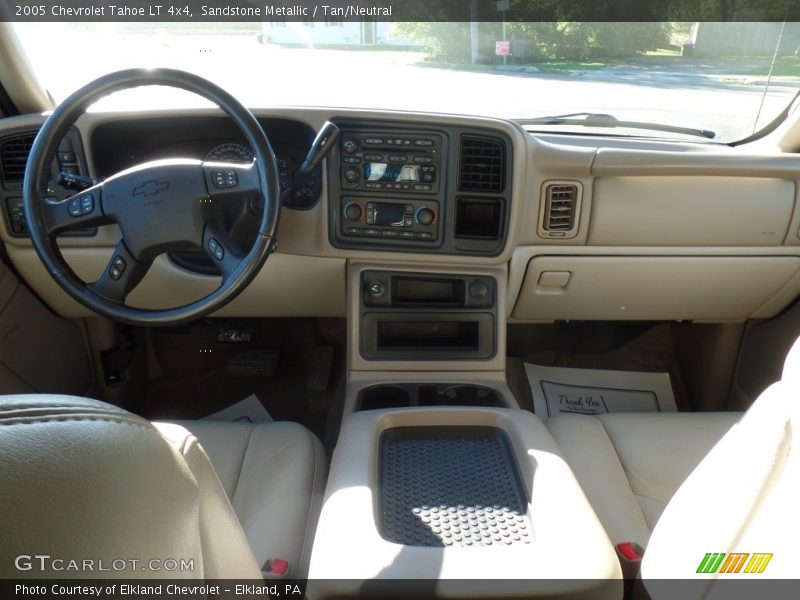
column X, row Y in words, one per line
column 462, row 502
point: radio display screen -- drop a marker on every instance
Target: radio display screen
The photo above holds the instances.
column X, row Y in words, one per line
column 387, row 214
column 375, row 171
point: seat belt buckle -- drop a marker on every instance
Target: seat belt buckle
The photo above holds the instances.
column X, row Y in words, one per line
column 630, row 556
column 275, row 568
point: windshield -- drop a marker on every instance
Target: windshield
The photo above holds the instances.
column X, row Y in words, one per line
column 730, row 79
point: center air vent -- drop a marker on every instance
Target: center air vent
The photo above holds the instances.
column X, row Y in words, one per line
column 560, row 208
column 482, row 165
column 14, row 157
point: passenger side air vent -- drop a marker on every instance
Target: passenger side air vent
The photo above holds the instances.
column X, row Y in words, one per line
column 482, row 165
column 561, row 205
column 14, row 157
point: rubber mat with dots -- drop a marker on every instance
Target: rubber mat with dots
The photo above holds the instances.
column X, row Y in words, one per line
column 451, row 486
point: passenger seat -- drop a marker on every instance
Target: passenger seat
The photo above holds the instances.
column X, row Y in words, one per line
column 631, row 464
column 685, row 484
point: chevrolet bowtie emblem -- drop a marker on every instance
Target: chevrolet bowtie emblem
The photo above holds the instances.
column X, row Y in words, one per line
column 151, row 188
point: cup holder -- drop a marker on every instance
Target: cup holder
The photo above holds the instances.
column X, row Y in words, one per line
column 458, row 395
column 385, row 396
column 408, row 395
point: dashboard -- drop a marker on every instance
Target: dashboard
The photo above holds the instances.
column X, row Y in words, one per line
column 575, row 227
column 122, row 144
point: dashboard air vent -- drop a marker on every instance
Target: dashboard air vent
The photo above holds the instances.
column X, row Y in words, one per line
column 14, row 157
column 482, row 165
column 561, row 200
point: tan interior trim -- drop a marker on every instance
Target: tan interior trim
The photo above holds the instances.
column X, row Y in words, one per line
column 18, row 76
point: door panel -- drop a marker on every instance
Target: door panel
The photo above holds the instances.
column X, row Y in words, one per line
column 39, row 351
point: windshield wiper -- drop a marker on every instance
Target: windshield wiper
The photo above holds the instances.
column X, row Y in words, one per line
column 586, row 119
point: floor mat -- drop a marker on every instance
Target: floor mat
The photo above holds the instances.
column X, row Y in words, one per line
column 249, row 410
column 580, row 346
column 194, row 381
column 591, row 391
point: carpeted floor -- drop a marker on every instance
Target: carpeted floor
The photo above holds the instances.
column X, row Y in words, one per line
column 194, row 381
column 644, row 348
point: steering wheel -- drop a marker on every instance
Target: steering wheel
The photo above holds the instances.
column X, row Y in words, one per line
column 160, row 206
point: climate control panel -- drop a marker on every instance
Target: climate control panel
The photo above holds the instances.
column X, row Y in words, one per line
column 390, row 219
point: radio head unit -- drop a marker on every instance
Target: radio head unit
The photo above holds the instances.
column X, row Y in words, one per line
column 377, row 162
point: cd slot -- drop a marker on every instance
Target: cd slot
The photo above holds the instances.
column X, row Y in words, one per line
column 413, row 291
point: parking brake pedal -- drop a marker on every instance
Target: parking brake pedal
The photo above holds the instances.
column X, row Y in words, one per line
column 252, row 363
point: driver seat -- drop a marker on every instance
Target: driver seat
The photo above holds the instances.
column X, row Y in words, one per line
column 84, row 480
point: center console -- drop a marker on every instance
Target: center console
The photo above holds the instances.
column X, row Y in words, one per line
column 439, row 485
column 460, row 503
column 425, row 316
column 426, row 319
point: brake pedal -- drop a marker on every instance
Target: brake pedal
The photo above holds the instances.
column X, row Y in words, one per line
column 253, row 363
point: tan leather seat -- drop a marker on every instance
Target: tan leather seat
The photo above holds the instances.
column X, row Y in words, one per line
column 274, row 475
column 86, row 481
column 688, row 484
column 631, row 464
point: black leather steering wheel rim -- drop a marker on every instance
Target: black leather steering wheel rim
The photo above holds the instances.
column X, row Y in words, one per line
column 38, row 171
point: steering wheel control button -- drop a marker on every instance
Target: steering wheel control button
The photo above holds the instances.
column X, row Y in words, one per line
column 216, row 250
column 74, row 207
column 225, row 178
column 82, row 205
column 87, row 204
column 117, row 268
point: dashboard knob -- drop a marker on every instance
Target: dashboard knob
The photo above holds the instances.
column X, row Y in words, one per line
column 350, row 146
column 352, row 174
column 376, row 289
column 353, row 212
column 425, row 216
column 478, row 290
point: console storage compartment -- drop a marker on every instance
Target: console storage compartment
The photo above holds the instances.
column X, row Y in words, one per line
column 460, row 502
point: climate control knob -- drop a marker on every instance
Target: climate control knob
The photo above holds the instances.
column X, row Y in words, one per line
column 425, row 216
column 352, row 174
column 353, row 212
